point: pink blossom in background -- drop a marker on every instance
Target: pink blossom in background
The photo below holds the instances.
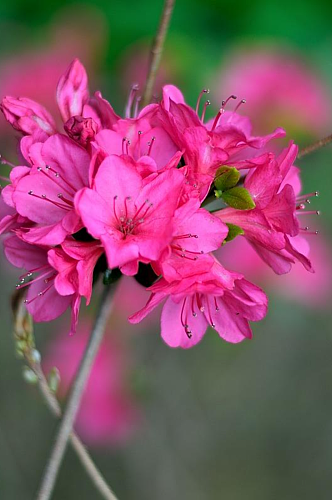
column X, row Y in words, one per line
column 108, row 414
column 310, row 289
column 277, row 85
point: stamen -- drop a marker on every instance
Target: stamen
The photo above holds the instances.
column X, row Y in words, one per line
column 138, row 100
column 139, row 143
column 206, row 104
column 209, row 313
column 40, row 294
column 305, row 196
column 141, row 207
column 181, row 236
column 182, row 311
column 44, row 198
column 114, row 210
column 57, row 176
column 150, row 144
column 4, row 161
column 309, row 212
column 176, row 247
column 216, row 304
column 127, row 147
column 31, row 272
column 243, row 101
column 223, row 103
column 124, row 140
column 130, row 101
column 28, row 283
column 216, row 120
column 192, row 307
column 204, row 91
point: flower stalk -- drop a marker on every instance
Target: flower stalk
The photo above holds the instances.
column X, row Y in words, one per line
column 316, row 145
column 156, row 51
column 74, row 399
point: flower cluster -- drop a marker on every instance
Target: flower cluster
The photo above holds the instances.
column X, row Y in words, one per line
column 151, row 195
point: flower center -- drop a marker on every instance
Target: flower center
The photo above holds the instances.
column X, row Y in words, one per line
column 129, row 218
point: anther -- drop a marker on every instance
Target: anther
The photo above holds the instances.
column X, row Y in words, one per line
column 243, row 101
column 223, row 103
column 204, row 91
column 150, row 144
column 206, row 104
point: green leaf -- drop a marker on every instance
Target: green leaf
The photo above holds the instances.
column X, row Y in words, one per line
column 226, row 178
column 239, row 198
column 233, row 231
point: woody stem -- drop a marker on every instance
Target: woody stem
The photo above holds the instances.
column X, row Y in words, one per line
column 156, row 50
column 74, row 399
column 316, row 145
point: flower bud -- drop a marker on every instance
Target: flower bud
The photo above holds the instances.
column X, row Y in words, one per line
column 29, row 375
column 27, row 116
column 54, row 379
column 81, row 130
column 72, row 91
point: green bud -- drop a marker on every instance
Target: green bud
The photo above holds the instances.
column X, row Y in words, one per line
column 29, row 375
column 233, row 231
column 239, row 198
column 226, row 178
column 35, row 356
column 53, row 379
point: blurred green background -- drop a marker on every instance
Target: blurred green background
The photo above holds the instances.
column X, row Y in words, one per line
column 250, row 421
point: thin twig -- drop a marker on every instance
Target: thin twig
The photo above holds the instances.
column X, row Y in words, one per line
column 316, row 145
column 25, row 345
column 156, row 51
column 74, row 399
column 75, row 441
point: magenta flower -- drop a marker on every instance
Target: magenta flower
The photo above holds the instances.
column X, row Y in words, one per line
column 300, row 100
column 132, row 219
column 273, row 224
column 125, row 196
column 60, row 276
column 43, row 301
column 219, row 298
column 207, row 146
column 45, row 194
column 196, row 232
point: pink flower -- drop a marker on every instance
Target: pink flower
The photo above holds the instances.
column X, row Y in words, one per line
column 139, row 137
column 311, row 289
column 273, row 224
column 45, row 194
column 219, row 298
column 207, row 146
column 43, row 301
column 60, row 276
column 27, row 116
column 108, row 413
column 132, row 220
column 277, row 85
column 196, row 232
